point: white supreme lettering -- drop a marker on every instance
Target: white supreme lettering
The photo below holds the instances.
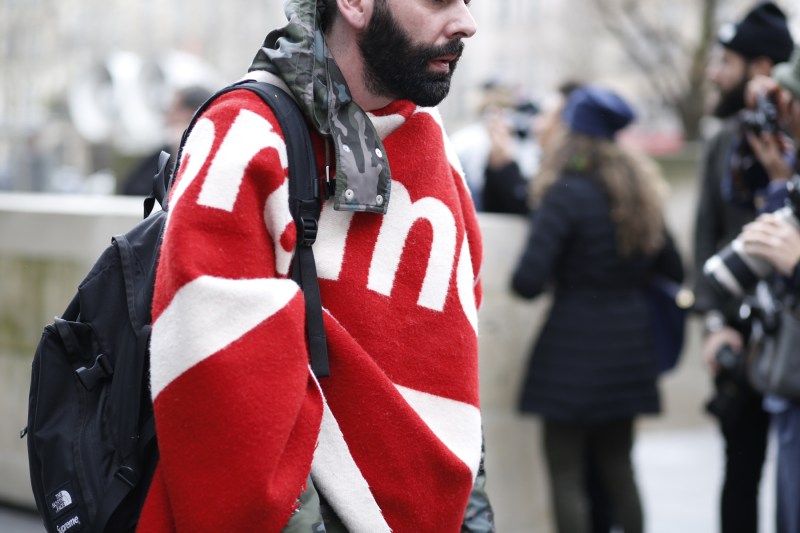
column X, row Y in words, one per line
column 249, row 134
column 69, row 524
column 392, row 239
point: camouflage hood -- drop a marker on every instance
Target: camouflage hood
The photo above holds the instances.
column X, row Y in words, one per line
column 297, row 53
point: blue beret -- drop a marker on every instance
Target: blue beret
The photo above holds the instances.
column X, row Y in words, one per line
column 597, row 112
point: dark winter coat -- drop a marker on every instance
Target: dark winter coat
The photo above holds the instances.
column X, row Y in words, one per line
column 505, row 190
column 594, row 360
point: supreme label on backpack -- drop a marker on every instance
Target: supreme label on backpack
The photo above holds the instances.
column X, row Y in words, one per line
column 70, row 525
column 61, row 500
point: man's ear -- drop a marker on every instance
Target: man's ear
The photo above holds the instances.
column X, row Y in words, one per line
column 356, row 12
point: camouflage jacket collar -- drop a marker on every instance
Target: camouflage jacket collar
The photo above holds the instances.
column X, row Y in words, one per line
column 297, row 53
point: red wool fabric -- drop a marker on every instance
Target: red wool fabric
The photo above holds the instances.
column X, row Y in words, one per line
column 392, row 439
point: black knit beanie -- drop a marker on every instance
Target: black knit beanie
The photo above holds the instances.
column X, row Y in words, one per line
column 763, row 32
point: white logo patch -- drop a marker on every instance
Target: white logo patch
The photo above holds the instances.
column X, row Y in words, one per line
column 69, row 524
column 62, row 501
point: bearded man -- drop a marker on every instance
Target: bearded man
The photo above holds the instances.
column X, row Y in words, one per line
column 249, row 438
column 733, row 187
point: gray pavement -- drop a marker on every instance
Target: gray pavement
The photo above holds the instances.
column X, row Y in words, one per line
column 680, row 474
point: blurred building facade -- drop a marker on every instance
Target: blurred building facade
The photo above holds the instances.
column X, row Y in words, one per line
column 47, row 47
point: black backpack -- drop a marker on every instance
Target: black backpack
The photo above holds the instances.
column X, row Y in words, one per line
column 91, row 434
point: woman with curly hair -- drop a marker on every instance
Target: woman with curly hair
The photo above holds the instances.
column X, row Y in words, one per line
column 598, row 236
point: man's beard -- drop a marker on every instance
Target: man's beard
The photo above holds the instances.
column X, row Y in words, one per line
column 731, row 101
column 398, row 68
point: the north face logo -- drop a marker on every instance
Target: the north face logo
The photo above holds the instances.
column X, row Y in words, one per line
column 61, row 501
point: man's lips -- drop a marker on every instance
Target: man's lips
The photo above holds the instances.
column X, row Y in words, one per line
column 443, row 63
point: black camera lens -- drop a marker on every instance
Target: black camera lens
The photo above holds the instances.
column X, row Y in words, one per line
column 727, row 358
column 734, row 272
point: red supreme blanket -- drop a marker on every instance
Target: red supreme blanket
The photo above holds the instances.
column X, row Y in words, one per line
column 392, row 439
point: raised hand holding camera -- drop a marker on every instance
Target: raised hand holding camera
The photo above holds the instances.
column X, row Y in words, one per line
column 763, row 117
column 775, row 239
column 764, row 124
column 735, row 270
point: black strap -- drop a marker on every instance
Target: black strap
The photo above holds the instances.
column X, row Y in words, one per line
column 127, row 419
column 68, row 337
column 304, row 272
column 305, row 204
column 113, row 495
column 134, row 438
column 159, row 189
column 128, row 262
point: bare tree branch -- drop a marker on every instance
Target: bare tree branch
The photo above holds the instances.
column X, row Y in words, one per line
column 673, row 68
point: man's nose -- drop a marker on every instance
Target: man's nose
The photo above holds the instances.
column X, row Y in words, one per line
column 462, row 25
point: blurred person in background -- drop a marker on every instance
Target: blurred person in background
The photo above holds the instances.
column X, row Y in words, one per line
column 503, row 135
column 183, row 104
column 507, row 175
column 549, row 120
column 777, row 240
column 547, row 127
column 774, row 102
column 733, row 185
column 506, row 184
column 598, row 235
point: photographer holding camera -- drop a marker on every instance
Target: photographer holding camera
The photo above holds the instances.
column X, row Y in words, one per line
column 501, row 139
column 734, row 185
column 775, row 238
column 506, row 174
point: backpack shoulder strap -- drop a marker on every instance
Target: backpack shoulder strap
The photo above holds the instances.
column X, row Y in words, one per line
column 305, row 203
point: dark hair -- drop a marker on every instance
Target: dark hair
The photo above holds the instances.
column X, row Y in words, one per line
column 193, row 96
column 327, row 10
column 566, row 88
column 633, row 182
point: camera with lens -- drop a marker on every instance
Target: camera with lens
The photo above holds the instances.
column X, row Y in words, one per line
column 727, row 400
column 732, row 270
column 728, row 359
column 764, row 118
column 520, row 118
